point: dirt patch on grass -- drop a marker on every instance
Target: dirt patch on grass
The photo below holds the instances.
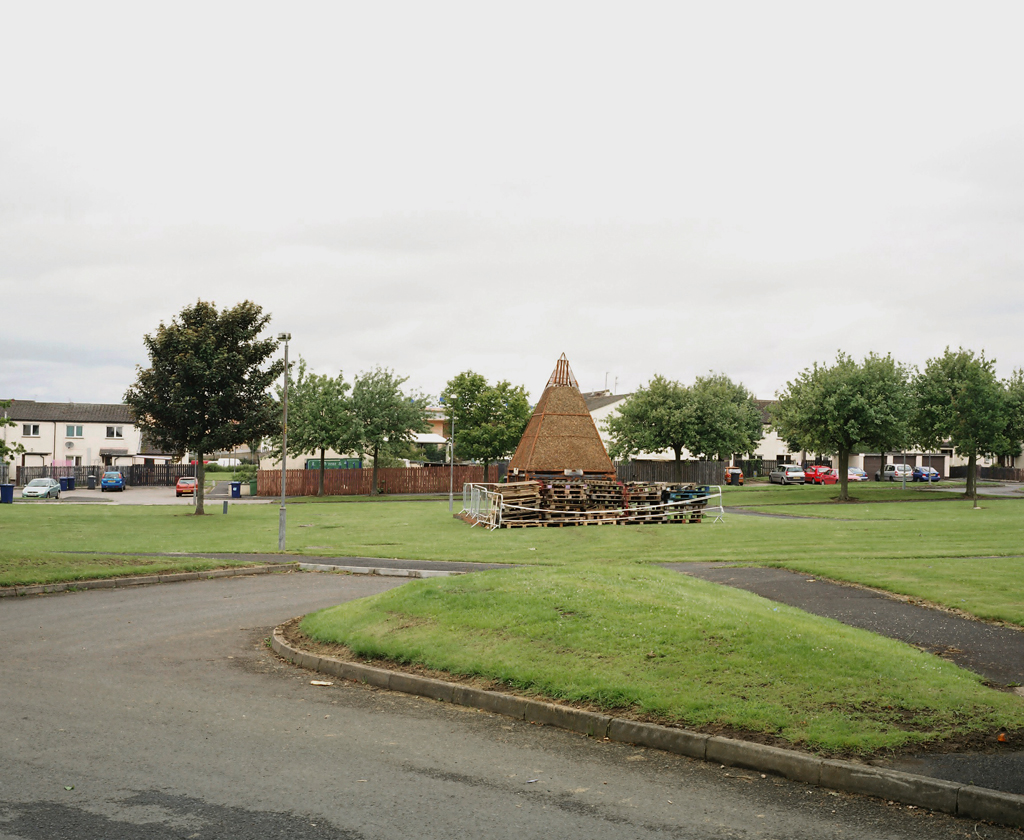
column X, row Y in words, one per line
column 899, row 718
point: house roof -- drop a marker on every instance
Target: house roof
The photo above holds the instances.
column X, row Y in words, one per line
column 51, row 412
column 763, row 405
column 599, row 399
column 561, row 434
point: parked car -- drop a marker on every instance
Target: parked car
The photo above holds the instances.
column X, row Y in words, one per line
column 895, row 472
column 830, row 476
column 41, row 488
column 186, row 486
column 815, row 475
column 112, row 480
column 787, row 474
column 856, row 474
column 926, row 474
column 733, row 475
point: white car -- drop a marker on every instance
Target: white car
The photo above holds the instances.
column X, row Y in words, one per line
column 895, row 472
column 787, row 474
column 41, row 488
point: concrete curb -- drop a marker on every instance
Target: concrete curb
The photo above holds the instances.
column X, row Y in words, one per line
column 143, row 580
column 922, row 791
column 383, row 571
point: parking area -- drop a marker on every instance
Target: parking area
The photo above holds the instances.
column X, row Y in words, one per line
column 221, row 491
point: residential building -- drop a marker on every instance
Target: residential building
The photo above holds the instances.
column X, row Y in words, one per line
column 77, row 434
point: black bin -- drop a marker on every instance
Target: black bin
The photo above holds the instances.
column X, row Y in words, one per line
column 92, row 482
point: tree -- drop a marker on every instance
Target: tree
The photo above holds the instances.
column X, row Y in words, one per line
column 208, row 384
column 319, row 416
column 385, row 418
column 8, row 451
column 724, row 418
column 959, row 399
column 846, row 408
column 489, row 420
column 650, row 420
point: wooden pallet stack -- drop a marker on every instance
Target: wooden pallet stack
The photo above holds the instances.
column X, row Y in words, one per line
column 558, row 503
column 516, row 496
column 643, row 503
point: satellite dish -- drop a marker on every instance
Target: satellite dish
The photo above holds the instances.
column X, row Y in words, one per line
column 70, row 444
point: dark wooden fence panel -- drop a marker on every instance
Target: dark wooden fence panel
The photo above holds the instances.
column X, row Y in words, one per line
column 698, row 472
column 756, row 467
column 990, row 473
column 136, row 475
column 391, row 480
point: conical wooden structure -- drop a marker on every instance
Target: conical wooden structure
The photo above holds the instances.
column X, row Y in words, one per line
column 561, row 438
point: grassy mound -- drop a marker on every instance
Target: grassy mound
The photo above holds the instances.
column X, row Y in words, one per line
column 651, row 643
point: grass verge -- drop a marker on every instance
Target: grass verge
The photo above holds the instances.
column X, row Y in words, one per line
column 645, row 642
column 61, row 568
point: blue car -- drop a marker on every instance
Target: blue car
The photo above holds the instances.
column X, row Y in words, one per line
column 926, row 474
column 112, row 480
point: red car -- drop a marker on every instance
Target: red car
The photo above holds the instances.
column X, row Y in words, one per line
column 816, row 475
column 186, row 486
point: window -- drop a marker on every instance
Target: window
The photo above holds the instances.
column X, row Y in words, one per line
column 74, row 431
column 30, row 430
column 115, row 431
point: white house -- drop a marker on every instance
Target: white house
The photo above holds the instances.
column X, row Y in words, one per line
column 76, row 434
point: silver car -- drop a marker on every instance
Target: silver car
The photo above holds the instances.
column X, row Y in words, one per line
column 41, row 488
column 787, row 474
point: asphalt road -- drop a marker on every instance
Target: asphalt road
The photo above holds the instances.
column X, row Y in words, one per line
column 157, row 712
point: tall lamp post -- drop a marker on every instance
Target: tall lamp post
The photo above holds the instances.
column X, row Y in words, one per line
column 451, row 462
column 285, row 337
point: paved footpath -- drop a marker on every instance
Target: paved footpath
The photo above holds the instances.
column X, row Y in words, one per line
column 997, row 653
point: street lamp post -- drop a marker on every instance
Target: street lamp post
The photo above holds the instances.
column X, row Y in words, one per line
column 451, row 462
column 285, row 337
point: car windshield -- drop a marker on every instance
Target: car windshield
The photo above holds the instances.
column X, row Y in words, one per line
column 39, row 482
column 112, row 475
column 186, row 481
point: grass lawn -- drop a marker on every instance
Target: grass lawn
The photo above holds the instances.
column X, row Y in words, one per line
column 646, row 642
column 592, row 618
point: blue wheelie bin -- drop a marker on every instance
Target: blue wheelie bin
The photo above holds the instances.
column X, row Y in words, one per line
column 6, row 494
column 236, row 489
column 63, row 483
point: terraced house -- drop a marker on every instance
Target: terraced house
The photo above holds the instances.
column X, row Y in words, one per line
column 77, row 435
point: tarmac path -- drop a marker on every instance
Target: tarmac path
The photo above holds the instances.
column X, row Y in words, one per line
column 157, row 712
column 995, row 652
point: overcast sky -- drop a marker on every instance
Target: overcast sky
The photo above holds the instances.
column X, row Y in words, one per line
column 650, row 188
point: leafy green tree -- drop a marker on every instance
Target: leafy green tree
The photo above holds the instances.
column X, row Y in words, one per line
column 1014, row 415
column 652, row 419
column 724, row 418
column 319, row 416
column 386, row 419
column 208, row 384
column 846, row 408
column 960, row 400
column 8, row 450
column 489, row 419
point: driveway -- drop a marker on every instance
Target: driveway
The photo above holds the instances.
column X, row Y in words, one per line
column 157, row 712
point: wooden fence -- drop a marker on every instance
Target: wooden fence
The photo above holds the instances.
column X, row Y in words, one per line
column 698, row 472
column 989, row 473
column 390, row 480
